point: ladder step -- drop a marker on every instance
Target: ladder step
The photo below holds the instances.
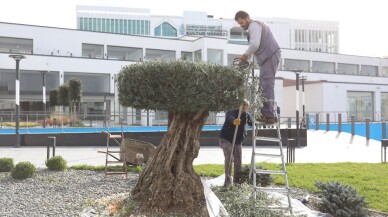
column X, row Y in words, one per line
column 115, row 162
column 268, row 155
column 274, row 172
column 263, row 123
column 271, row 139
column 115, row 152
column 115, row 137
column 280, row 190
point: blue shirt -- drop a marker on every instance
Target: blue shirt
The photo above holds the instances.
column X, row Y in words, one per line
column 227, row 131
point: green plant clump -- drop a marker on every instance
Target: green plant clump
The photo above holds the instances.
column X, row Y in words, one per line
column 341, row 200
column 23, row 170
column 263, row 179
column 6, row 164
column 56, row 163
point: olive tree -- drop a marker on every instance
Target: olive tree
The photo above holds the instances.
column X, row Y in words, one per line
column 188, row 91
column 53, row 99
column 75, row 93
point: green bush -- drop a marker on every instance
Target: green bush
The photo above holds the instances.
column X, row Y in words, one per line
column 341, row 200
column 6, row 164
column 56, row 163
column 23, row 170
column 263, row 180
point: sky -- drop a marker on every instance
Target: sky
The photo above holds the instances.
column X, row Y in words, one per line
column 363, row 24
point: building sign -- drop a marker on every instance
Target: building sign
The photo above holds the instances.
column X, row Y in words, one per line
column 205, row 30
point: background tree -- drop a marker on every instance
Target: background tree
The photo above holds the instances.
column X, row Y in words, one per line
column 188, row 91
column 75, row 94
column 63, row 96
column 54, row 99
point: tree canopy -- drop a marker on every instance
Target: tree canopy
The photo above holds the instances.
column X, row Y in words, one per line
column 180, row 86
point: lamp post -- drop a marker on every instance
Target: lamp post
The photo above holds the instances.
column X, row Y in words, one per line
column 297, row 73
column 44, row 97
column 303, row 78
column 17, row 58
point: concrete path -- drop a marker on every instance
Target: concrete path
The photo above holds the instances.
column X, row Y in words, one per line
column 322, row 147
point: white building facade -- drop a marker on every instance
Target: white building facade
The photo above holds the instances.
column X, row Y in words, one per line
column 350, row 85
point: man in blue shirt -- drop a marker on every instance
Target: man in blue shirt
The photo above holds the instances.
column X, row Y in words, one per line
column 226, row 141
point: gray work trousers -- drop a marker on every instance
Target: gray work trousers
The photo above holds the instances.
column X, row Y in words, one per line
column 236, row 160
column 267, row 84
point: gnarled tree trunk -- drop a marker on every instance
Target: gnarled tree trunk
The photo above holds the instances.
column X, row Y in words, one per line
column 169, row 183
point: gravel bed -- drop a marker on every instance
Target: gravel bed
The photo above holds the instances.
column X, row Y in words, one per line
column 51, row 193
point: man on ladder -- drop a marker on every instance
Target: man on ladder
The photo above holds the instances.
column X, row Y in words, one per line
column 263, row 45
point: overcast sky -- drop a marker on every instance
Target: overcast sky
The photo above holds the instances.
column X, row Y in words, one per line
column 363, row 24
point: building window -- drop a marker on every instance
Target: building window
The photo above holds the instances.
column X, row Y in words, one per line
column 189, row 56
column 347, row 69
column 91, row 83
column 360, row 105
column 323, row 67
column 197, row 55
column 165, row 29
column 231, row 58
column 16, row 45
column 93, row 51
column 369, row 70
column 81, row 23
column 291, row 64
column 215, row 56
column 384, row 106
column 238, row 33
column 385, row 71
column 152, row 54
column 124, row 53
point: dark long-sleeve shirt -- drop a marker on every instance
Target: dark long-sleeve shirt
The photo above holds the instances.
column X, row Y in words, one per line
column 227, row 131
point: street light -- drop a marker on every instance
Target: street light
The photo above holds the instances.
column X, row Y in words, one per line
column 17, row 58
column 297, row 73
column 44, row 97
column 303, row 78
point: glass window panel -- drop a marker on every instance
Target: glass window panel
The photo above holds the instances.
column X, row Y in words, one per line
column 142, row 27
column 103, row 25
column 116, row 25
column 187, row 56
column 94, row 24
column 121, row 25
column 231, row 58
column 93, row 51
column 112, row 25
column 16, row 45
column 91, row 83
column 215, row 56
column 90, row 24
column 347, row 69
column 147, row 28
column 124, row 53
column 369, row 70
column 384, row 106
column 197, row 55
column 98, row 24
column 30, row 81
column 385, row 71
column 130, row 27
column 137, row 27
column 152, row 54
column 323, row 67
column 360, row 105
column 81, row 23
column 125, row 27
column 291, row 64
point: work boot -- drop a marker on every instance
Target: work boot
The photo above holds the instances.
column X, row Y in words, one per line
column 271, row 120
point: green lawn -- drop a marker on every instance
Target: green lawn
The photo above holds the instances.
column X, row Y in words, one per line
column 370, row 180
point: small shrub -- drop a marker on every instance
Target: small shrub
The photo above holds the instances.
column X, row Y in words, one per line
column 6, row 164
column 262, row 179
column 341, row 200
column 56, row 163
column 23, row 170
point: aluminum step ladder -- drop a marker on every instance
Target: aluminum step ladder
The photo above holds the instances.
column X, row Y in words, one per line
column 254, row 171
